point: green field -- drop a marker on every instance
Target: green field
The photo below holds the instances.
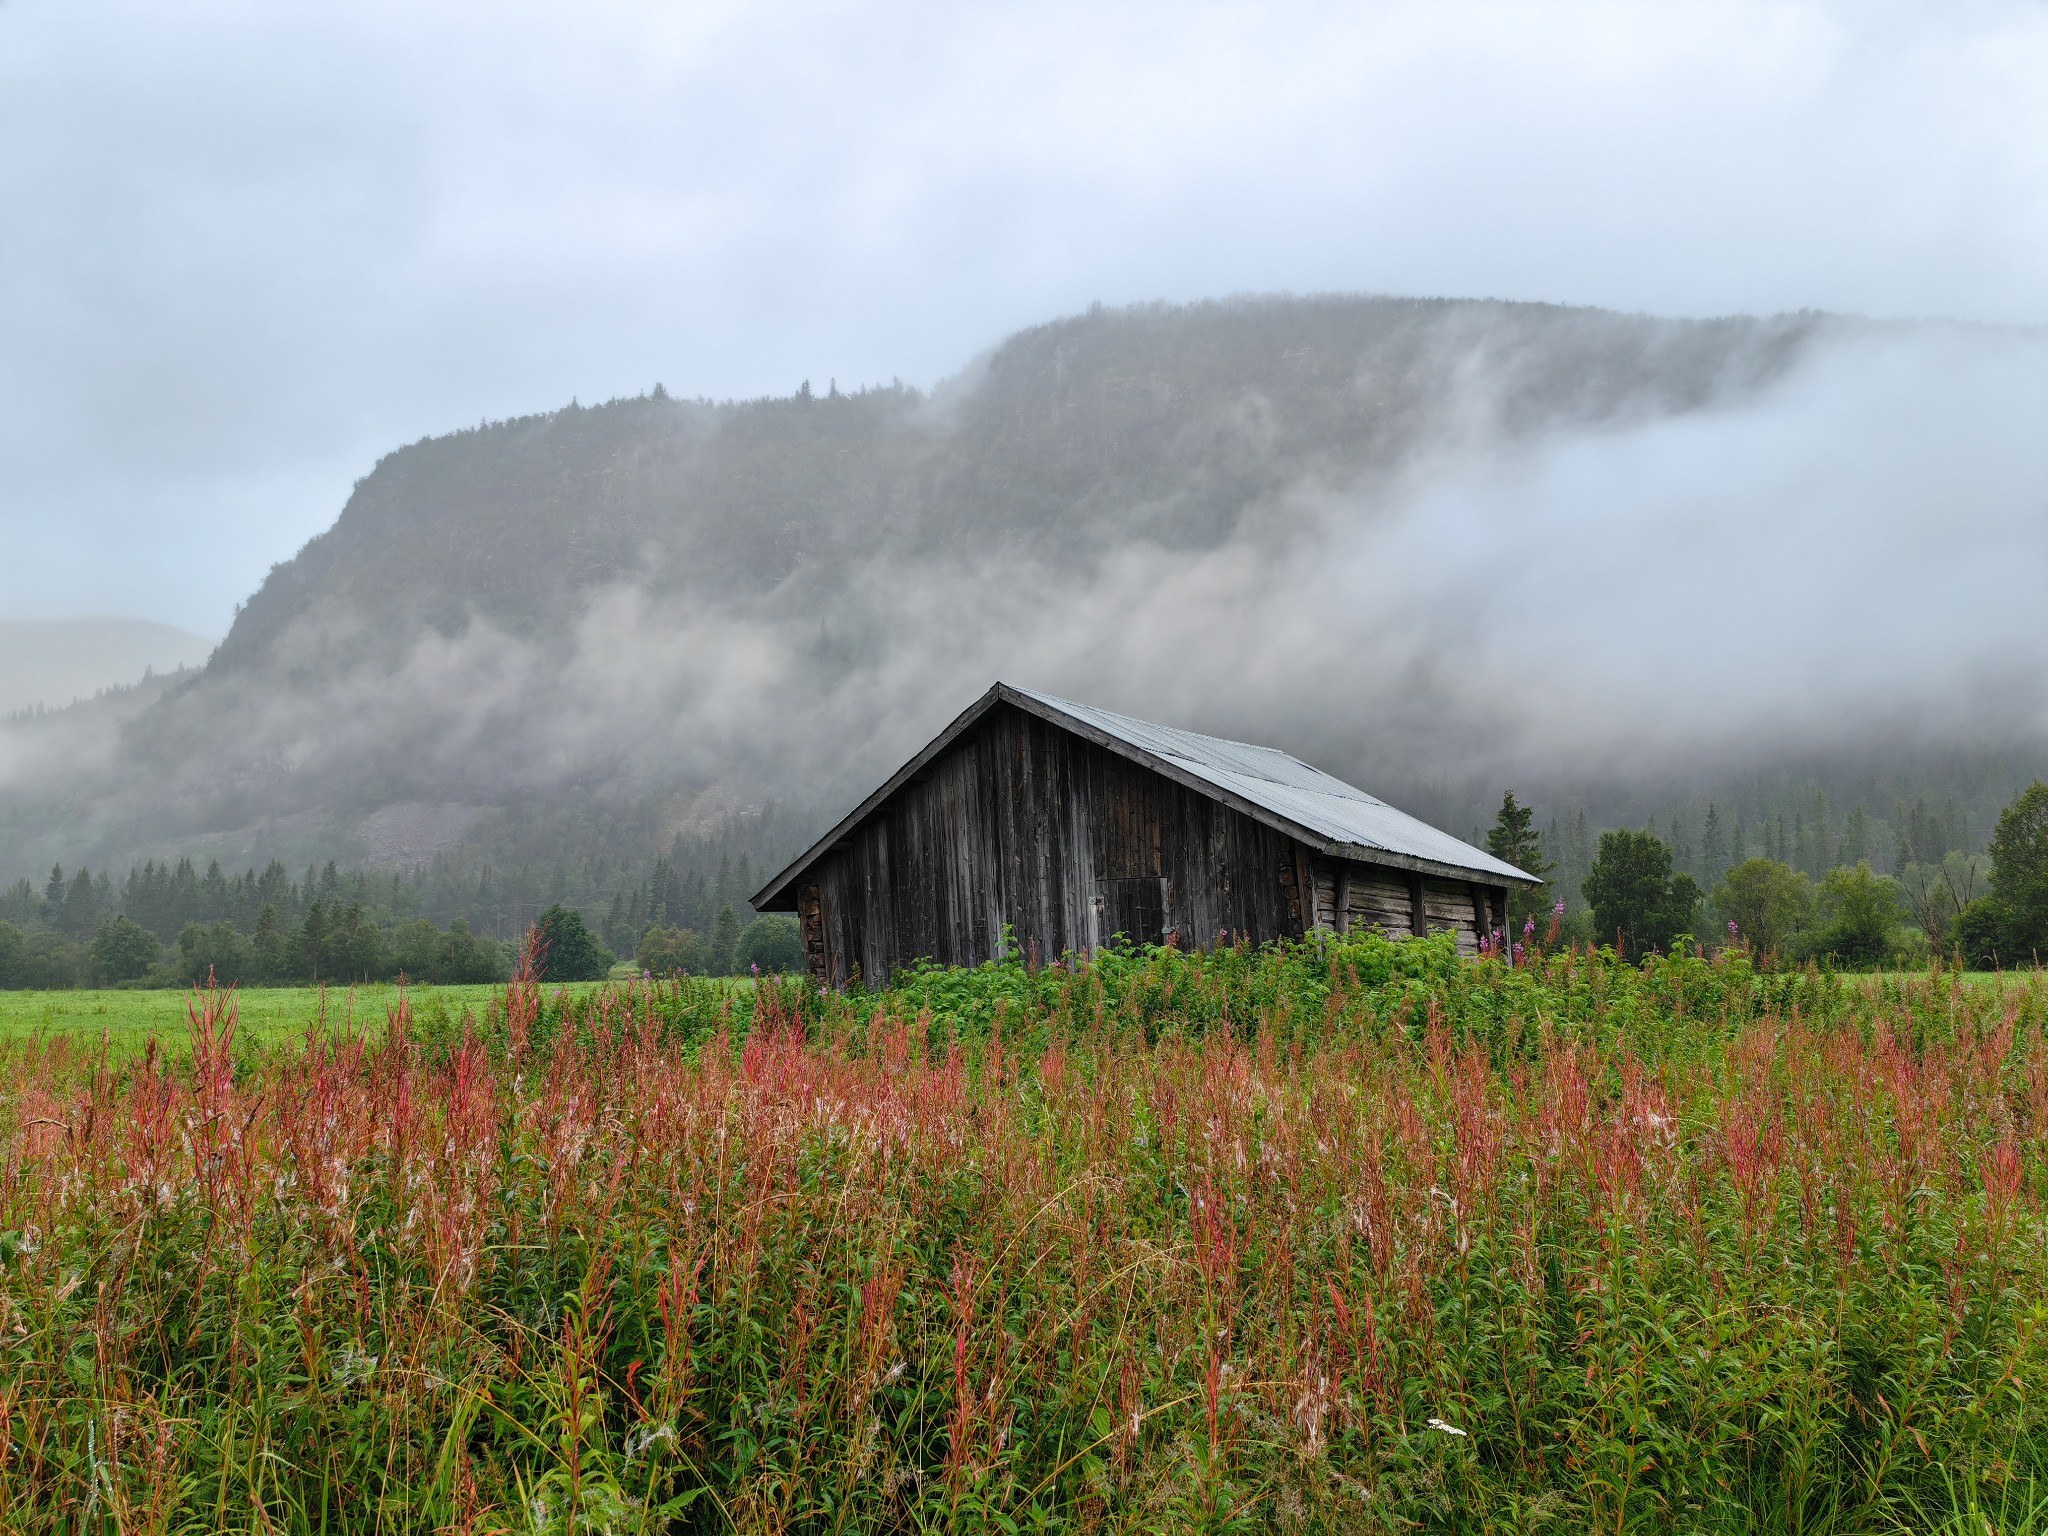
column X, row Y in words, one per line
column 127, row 1018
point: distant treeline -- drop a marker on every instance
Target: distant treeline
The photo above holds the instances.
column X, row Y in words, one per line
column 169, row 923
column 1797, row 826
column 1988, row 909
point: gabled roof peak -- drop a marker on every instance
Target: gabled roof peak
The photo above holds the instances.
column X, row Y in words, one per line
column 1337, row 819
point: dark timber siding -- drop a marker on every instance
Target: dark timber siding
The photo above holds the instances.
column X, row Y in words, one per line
column 1024, row 823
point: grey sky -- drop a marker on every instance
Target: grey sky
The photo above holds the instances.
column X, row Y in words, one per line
column 245, row 248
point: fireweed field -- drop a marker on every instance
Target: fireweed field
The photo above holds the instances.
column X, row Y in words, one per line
column 1351, row 1237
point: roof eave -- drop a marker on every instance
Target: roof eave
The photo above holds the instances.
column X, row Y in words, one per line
column 1365, row 853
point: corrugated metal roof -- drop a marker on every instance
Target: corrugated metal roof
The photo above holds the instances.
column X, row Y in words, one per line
column 1289, row 788
column 1346, row 821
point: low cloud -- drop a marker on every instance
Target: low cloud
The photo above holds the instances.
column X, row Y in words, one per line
column 249, row 247
column 1845, row 557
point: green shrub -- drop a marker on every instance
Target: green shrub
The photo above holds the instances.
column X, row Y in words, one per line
column 1858, row 913
column 123, row 950
column 215, row 950
column 1769, row 903
column 569, row 950
column 672, row 952
column 772, row 944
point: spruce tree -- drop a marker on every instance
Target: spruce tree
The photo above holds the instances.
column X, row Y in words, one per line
column 725, row 941
column 80, row 914
column 1515, row 840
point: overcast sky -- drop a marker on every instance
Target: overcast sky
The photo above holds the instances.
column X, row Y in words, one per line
column 246, row 248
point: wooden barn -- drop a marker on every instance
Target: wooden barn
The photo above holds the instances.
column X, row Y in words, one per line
column 1072, row 826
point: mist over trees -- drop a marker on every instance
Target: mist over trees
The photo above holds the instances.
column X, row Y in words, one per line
column 625, row 658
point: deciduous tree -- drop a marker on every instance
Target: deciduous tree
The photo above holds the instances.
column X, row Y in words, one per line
column 1768, row 902
column 1859, row 916
column 123, row 950
column 2019, row 870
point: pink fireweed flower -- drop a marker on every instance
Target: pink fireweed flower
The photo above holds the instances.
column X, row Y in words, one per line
column 1528, row 926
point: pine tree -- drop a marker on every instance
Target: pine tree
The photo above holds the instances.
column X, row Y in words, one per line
column 213, row 894
column 1855, row 844
column 725, row 941
column 1515, row 840
column 310, row 945
column 271, row 944
column 80, row 914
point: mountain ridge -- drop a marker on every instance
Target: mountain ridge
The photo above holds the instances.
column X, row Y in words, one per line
column 615, row 618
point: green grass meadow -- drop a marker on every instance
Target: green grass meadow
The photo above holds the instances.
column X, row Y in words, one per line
column 128, row 1018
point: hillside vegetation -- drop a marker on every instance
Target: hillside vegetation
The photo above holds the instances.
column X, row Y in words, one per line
column 593, row 628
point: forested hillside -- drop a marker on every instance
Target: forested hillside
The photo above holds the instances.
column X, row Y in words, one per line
column 530, row 657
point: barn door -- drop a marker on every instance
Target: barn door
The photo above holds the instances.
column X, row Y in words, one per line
column 1134, row 908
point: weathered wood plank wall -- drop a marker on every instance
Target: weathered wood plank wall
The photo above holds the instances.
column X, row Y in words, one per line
column 1026, row 824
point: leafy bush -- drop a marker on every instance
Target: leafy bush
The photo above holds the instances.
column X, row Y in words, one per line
column 38, row 958
column 1984, row 934
column 469, row 960
column 1769, row 904
column 123, row 950
column 569, row 951
column 458, row 957
column 217, row 951
column 773, row 943
column 1859, row 914
column 672, row 952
